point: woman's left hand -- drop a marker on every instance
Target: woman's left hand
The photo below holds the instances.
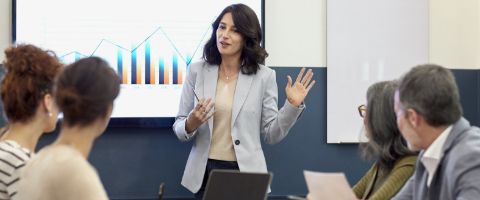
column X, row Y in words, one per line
column 297, row 91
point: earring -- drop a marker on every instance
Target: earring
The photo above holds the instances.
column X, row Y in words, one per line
column 50, row 114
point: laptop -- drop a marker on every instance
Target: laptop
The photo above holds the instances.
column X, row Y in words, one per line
column 236, row 185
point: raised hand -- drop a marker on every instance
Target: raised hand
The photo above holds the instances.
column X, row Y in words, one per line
column 199, row 115
column 297, row 91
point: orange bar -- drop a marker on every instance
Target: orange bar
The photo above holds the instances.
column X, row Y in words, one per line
column 139, row 73
column 166, row 74
column 180, row 76
column 152, row 73
column 124, row 74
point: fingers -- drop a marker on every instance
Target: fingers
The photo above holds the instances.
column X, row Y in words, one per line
column 310, row 86
column 200, row 114
column 289, row 81
column 203, row 109
column 306, row 79
column 199, row 104
column 202, row 104
column 209, row 115
column 209, row 107
column 300, row 74
column 206, row 103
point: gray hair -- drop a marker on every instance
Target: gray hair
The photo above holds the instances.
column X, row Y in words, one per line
column 386, row 143
column 432, row 92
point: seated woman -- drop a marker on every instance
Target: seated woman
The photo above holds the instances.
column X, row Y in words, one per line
column 85, row 94
column 395, row 163
column 29, row 106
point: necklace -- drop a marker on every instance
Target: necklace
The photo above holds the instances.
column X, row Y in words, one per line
column 226, row 75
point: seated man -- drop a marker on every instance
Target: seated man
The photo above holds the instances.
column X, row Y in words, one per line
column 429, row 116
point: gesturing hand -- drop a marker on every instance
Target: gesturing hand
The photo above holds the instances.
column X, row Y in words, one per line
column 297, row 91
column 199, row 115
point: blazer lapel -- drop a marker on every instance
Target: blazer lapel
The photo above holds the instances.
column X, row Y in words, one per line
column 244, row 83
column 210, row 87
column 422, row 189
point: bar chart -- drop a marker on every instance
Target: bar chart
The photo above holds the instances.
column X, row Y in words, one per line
column 155, row 61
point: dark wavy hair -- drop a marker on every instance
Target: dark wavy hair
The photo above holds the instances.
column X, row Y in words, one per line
column 386, row 143
column 85, row 90
column 30, row 75
column 247, row 24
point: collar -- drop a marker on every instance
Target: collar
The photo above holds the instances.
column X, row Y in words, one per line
column 434, row 153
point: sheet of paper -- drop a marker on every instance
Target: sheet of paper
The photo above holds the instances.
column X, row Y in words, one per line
column 328, row 186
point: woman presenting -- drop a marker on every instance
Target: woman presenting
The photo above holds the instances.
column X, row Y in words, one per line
column 227, row 133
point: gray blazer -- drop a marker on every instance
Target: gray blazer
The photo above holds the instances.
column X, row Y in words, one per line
column 458, row 174
column 255, row 114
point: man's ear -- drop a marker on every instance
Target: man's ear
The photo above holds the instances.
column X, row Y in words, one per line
column 413, row 117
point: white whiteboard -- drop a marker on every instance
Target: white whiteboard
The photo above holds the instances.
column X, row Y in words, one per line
column 295, row 33
column 368, row 41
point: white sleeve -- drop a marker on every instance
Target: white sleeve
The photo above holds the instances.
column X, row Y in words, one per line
column 276, row 123
column 185, row 107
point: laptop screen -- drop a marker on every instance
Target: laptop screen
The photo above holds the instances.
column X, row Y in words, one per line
column 236, row 185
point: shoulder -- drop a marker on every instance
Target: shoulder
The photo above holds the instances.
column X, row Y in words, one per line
column 65, row 169
column 196, row 65
column 406, row 161
column 265, row 72
column 370, row 173
column 62, row 160
column 462, row 156
column 11, row 146
column 13, row 154
column 467, row 147
column 199, row 66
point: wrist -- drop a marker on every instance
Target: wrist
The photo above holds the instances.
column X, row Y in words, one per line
column 188, row 126
column 293, row 103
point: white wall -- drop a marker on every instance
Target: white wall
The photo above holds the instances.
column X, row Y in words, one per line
column 455, row 33
column 295, row 33
column 5, row 26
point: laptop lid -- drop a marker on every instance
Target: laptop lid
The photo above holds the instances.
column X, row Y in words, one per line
column 236, row 185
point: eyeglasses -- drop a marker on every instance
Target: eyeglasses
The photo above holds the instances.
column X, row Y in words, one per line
column 362, row 110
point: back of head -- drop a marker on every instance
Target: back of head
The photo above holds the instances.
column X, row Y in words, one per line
column 432, row 92
column 86, row 90
column 386, row 142
column 30, row 74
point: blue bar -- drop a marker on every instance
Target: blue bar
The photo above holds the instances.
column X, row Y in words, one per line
column 134, row 66
column 119, row 63
column 77, row 56
column 175, row 69
column 161, row 71
column 147, row 62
